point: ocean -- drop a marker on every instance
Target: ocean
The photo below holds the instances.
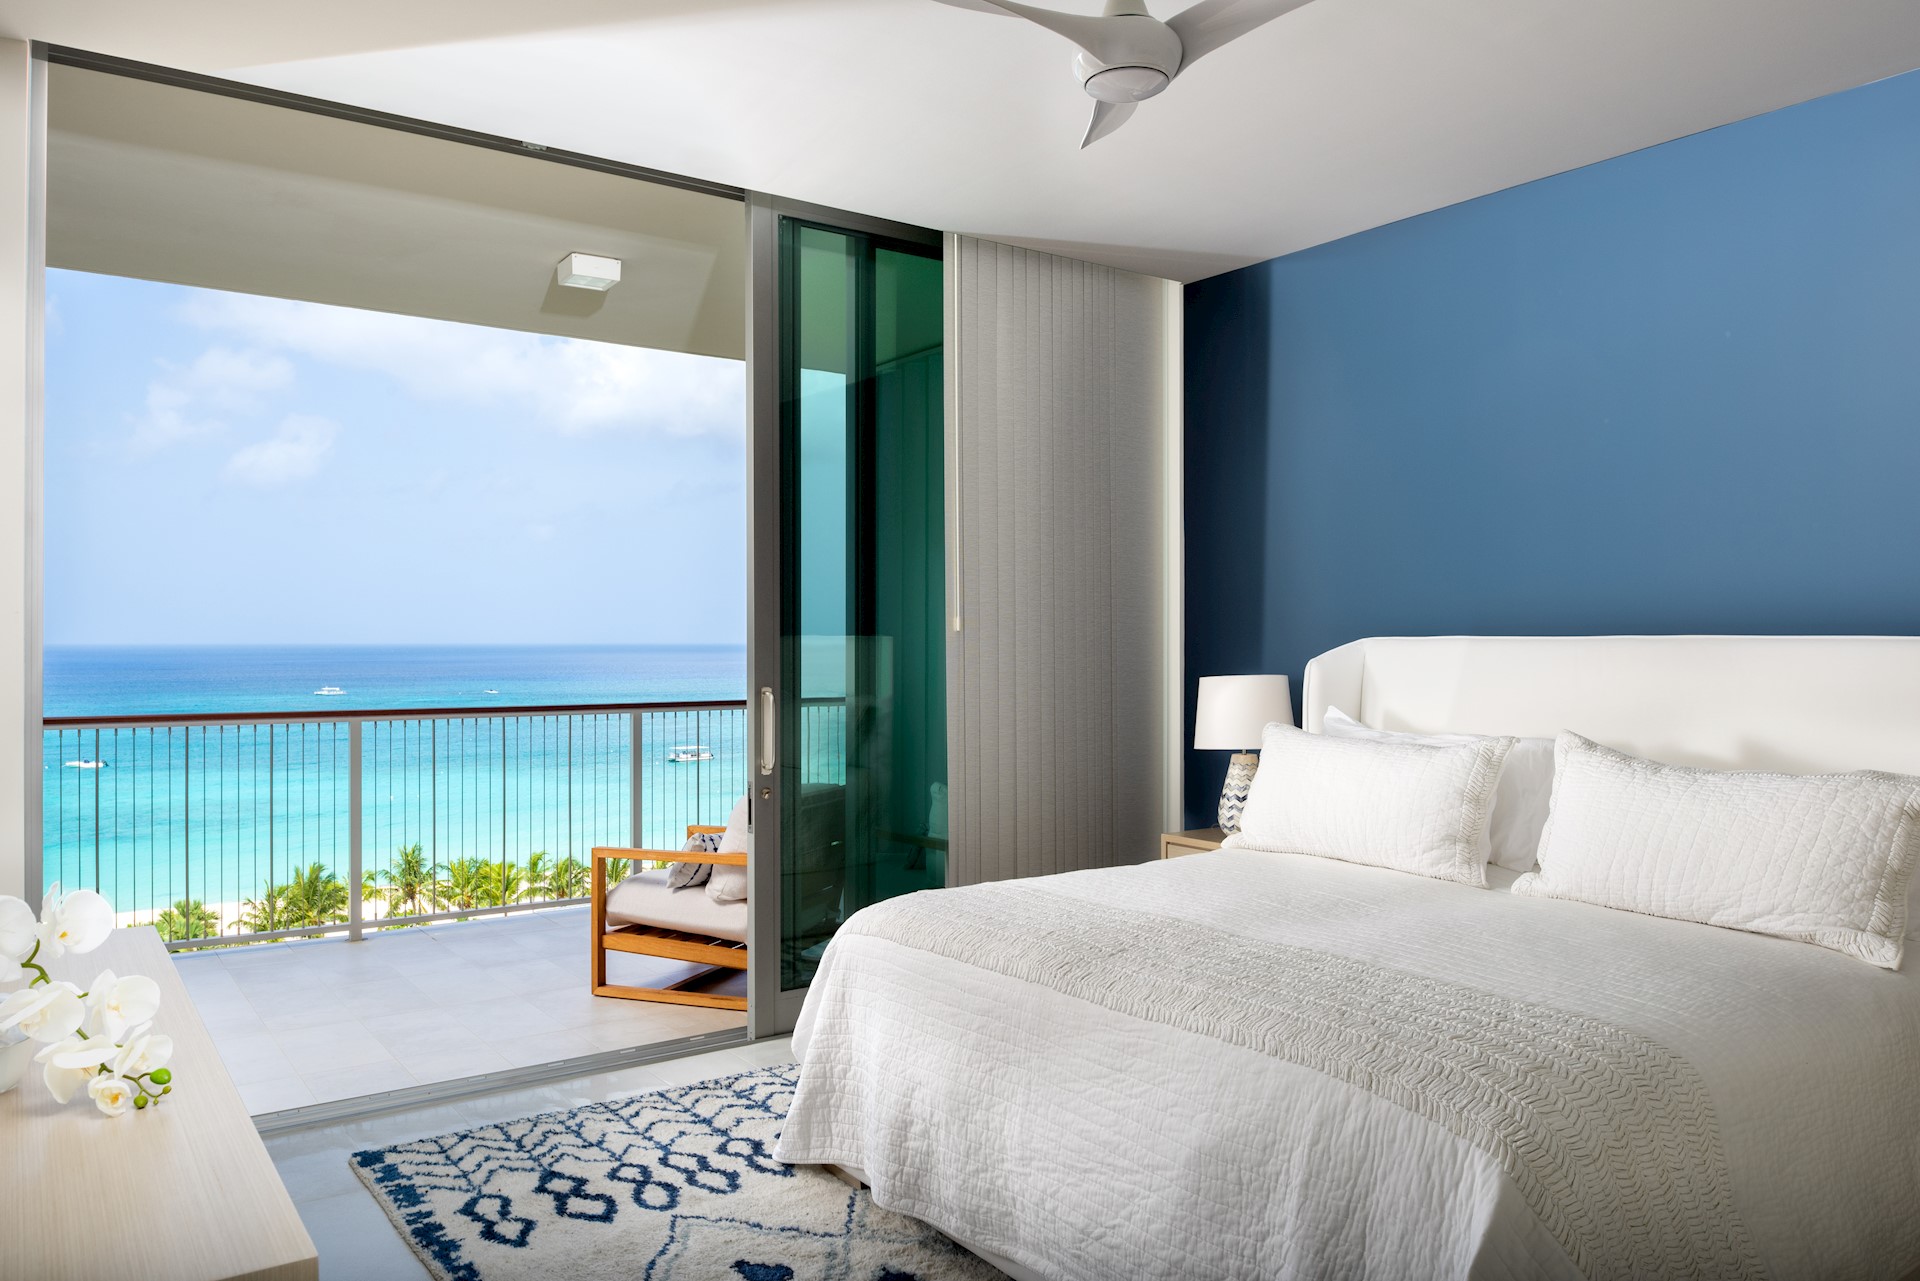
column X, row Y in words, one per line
column 119, row 681
column 152, row 816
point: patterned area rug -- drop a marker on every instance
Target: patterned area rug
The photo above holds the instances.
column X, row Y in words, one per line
column 678, row 1184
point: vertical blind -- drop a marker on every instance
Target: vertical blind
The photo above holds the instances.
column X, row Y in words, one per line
column 1058, row 527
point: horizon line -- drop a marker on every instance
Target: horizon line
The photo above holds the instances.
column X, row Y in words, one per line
column 49, row 645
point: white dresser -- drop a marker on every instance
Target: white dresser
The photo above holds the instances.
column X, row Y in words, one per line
column 181, row 1192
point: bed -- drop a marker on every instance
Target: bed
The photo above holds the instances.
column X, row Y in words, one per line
column 1178, row 1069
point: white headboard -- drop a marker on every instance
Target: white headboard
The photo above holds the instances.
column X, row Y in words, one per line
column 1804, row 704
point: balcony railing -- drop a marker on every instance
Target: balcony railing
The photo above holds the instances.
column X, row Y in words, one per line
column 223, row 829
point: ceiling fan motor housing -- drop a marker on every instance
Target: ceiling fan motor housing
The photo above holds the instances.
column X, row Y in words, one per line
column 1136, row 58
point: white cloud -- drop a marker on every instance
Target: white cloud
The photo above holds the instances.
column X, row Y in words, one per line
column 182, row 403
column 293, row 452
column 230, row 379
column 567, row 384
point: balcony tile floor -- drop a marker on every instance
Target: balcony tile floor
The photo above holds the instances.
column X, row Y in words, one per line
column 349, row 1229
column 313, row 1021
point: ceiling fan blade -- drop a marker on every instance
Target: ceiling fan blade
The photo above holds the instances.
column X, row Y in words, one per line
column 1212, row 23
column 1079, row 28
column 1107, row 116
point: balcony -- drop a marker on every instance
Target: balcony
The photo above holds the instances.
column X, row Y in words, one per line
column 375, row 900
column 319, row 1020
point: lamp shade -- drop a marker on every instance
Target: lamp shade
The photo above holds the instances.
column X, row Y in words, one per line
column 1234, row 711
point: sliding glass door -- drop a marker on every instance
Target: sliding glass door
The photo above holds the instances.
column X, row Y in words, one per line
column 851, row 777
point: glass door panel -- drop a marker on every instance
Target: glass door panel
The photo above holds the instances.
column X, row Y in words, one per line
column 862, row 715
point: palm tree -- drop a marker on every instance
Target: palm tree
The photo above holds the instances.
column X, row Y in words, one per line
column 538, row 871
column 265, row 914
column 567, row 878
column 314, row 897
column 505, row 883
column 409, row 883
column 617, row 869
column 187, row 919
column 466, row 886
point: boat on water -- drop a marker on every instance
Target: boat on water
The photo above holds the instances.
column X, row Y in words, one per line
column 686, row 752
column 329, row 691
column 489, row 691
column 86, row 764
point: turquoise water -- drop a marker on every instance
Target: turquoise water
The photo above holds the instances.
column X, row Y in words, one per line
column 118, row 681
column 150, row 815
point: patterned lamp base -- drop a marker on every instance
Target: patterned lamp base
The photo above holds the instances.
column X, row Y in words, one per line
column 1233, row 797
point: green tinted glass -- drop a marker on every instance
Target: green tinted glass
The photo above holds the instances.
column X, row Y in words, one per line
column 863, row 598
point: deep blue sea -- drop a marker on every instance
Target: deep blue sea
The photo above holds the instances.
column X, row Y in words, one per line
column 117, row 681
column 151, row 815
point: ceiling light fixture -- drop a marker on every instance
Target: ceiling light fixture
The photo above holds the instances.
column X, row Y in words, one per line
column 588, row 271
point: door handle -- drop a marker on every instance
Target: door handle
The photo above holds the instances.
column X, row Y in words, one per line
column 766, row 729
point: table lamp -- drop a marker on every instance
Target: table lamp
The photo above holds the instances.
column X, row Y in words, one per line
column 1231, row 715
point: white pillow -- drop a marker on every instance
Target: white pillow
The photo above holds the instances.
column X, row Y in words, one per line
column 1823, row 858
column 1407, row 806
column 729, row 884
column 1519, row 804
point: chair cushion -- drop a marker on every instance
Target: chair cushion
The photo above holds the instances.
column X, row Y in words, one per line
column 645, row 898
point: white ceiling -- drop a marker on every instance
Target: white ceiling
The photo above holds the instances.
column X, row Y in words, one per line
column 1341, row 116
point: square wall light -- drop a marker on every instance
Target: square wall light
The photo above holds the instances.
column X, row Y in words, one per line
column 588, row 271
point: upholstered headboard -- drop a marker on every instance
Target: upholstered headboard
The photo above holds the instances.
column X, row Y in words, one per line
column 1804, row 704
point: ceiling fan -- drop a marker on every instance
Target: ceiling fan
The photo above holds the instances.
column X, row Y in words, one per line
column 1127, row 55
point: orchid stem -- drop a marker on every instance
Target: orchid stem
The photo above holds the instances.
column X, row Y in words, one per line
column 37, row 969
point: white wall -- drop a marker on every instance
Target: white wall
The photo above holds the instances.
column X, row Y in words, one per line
column 22, row 188
column 1063, row 511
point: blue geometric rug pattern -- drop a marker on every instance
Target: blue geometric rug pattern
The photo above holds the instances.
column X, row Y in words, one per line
column 678, row 1185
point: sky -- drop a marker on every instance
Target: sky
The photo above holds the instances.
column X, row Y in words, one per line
column 229, row 469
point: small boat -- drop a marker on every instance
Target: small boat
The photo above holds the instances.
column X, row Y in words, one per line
column 86, row 764
column 329, row 691
column 690, row 752
column 489, row 691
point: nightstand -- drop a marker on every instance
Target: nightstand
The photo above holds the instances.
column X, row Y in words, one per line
column 1198, row 841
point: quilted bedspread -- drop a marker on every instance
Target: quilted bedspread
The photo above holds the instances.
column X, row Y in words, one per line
column 1264, row 1065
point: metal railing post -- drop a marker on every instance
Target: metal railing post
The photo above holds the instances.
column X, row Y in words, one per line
column 355, row 908
column 633, row 763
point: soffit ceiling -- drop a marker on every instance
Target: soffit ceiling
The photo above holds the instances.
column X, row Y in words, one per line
column 163, row 183
column 1341, row 116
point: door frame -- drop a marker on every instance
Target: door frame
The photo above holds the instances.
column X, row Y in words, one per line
column 771, row 1011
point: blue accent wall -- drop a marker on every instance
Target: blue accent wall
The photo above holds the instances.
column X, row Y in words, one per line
column 1678, row 391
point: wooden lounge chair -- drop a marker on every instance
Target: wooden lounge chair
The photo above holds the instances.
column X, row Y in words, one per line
column 647, row 918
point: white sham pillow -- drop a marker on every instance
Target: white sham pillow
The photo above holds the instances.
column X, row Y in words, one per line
column 729, row 884
column 1520, row 802
column 1408, row 806
column 1821, row 858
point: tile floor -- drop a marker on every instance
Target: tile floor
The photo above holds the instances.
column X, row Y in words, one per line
column 352, row 1233
column 313, row 1021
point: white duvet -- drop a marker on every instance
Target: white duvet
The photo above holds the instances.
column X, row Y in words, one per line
column 1080, row 1142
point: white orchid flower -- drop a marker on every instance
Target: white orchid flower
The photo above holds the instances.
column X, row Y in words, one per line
column 111, row 1094
column 18, row 930
column 76, row 922
column 144, row 1052
column 49, row 1012
column 71, row 1063
column 115, row 1004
